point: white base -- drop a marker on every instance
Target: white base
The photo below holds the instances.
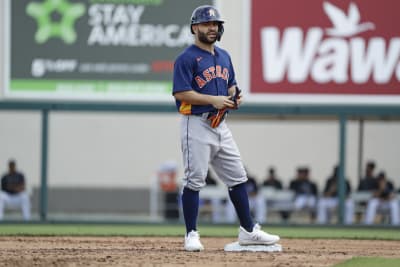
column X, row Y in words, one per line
column 235, row 247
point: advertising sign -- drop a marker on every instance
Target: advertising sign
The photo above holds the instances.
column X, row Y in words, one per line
column 333, row 50
column 107, row 49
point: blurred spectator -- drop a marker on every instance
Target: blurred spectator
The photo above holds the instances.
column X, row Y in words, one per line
column 13, row 192
column 272, row 180
column 368, row 182
column 167, row 173
column 384, row 199
column 306, row 192
column 330, row 200
column 215, row 205
column 257, row 202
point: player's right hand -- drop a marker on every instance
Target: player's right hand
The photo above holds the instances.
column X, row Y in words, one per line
column 220, row 102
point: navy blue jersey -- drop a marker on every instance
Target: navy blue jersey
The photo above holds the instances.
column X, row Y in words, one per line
column 303, row 187
column 10, row 181
column 199, row 70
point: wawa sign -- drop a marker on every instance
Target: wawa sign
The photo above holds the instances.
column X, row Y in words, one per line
column 332, row 47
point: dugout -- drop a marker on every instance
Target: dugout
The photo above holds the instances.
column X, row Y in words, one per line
column 341, row 115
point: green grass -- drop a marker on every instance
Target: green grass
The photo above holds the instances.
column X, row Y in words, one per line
column 205, row 230
column 370, row 262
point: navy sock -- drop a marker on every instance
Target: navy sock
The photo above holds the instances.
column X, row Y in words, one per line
column 240, row 199
column 190, row 206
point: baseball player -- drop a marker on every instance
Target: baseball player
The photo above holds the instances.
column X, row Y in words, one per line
column 13, row 193
column 204, row 88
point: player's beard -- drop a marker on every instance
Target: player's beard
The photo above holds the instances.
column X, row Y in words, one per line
column 203, row 37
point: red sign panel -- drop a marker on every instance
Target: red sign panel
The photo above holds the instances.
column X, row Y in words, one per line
column 336, row 47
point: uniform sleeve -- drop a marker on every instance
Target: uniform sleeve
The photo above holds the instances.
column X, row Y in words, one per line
column 348, row 187
column 232, row 76
column 292, row 186
column 390, row 185
column 327, row 185
column 361, row 186
column 255, row 186
column 22, row 178
column 183, row 75
column 315, row 189
column 3, row 183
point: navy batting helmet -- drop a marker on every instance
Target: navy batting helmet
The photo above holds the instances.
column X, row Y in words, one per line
column 205, row 14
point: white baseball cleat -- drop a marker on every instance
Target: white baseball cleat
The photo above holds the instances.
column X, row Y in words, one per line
column 192, row 242
column 256, row 237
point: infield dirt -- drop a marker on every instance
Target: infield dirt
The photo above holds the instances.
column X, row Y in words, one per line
column 166, row 251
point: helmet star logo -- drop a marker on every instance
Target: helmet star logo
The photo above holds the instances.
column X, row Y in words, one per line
column 63, row 29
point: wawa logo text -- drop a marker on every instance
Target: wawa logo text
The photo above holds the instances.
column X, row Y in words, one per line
column 335, row 54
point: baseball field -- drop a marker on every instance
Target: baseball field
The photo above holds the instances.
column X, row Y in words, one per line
column 161, row 245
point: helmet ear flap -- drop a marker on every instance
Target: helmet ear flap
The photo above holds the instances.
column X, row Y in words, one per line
column 220, row 31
